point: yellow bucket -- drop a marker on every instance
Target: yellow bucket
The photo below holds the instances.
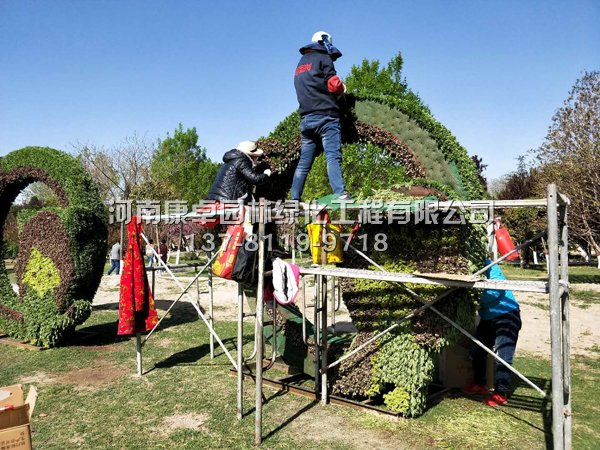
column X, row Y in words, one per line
column 334, row 247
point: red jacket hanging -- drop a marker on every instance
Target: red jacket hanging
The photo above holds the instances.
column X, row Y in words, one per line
column 137, row 313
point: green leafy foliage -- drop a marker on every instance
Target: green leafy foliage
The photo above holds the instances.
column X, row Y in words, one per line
column 407, row 361
column 288, row 129
column 180, row 168
column 41, row 274
column 447, row 143
column 10, row 250
column 43, row 326
column 397, row 400
column 407, row 366
column 418, row 140
column 358, row 159
column 369, row 79
column 70, row 238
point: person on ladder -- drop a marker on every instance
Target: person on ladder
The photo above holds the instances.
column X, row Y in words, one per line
column 499, row 327
column 317, row 88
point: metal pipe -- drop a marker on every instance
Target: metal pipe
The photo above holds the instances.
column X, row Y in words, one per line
column 154, row 283
column 293, row 243
column 490, row 205
column 339, row 295
column 516, row 249
column 210, row 305
column 183, row 292
column 138, row 348
column 555, row 322
column 566, row 328
column 333, row 302
column 240, row 353
column 316, row 330
column 198, row 310
column 259, row 324
column 303, row 308
column 323, row 362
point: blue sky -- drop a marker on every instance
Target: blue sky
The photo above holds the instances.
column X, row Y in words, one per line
column 97, row 71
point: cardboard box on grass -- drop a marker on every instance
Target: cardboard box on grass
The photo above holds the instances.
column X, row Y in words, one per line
column 456, row 367
column 15, row 415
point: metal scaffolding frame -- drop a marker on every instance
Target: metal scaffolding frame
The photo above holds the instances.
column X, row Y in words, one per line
column 557, row 288
column 208, row 321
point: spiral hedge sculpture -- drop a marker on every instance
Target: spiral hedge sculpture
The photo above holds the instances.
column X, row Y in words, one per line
column 61, row 250
column 398, row 368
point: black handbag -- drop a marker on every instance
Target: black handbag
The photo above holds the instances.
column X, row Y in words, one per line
column 245, row 269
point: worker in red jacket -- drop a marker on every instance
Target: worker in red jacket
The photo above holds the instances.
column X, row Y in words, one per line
column 318, row 88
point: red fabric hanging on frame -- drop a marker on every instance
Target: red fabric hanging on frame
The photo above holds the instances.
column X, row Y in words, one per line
column 137, row 312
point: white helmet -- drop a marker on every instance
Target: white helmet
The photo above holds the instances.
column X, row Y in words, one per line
column 321, row 36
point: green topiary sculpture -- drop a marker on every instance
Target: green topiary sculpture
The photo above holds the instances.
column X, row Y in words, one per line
column 61, row 250
column 394, row 149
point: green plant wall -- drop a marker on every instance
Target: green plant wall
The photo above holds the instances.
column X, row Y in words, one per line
column 61, row 250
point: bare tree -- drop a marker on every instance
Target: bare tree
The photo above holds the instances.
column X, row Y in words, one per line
column 118, row 170
column 496, row 185
column 570, row 157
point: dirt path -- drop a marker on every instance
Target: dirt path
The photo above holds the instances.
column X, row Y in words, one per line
column 584, row 320
column 534, row 336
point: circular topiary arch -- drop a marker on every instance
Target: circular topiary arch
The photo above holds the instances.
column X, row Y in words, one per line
column 61, row 250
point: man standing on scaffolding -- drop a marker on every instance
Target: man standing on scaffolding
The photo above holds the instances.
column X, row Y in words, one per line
column 317, row 88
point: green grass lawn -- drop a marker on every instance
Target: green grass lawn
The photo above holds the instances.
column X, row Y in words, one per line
column 577, row 274
column 90, row 398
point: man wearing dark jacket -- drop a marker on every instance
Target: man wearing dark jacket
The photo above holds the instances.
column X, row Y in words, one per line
column 317, row 87
column 238, row 175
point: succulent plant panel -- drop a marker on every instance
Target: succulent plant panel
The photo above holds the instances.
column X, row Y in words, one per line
column 61, row 249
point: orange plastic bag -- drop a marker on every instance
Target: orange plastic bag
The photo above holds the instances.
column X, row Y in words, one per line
column 225, row 260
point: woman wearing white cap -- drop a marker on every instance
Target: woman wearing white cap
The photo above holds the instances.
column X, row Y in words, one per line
column 238, row 175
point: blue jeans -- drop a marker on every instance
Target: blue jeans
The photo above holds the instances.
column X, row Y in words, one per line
column 320, row 130
column 501, row 332
column 115, row 265
column 151, row 261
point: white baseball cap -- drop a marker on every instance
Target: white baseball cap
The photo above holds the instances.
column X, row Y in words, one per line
column 249, row 148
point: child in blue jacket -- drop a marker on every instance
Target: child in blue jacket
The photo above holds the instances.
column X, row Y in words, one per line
column 499, row 327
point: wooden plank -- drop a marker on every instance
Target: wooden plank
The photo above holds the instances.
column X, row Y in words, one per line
column 436, row 279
